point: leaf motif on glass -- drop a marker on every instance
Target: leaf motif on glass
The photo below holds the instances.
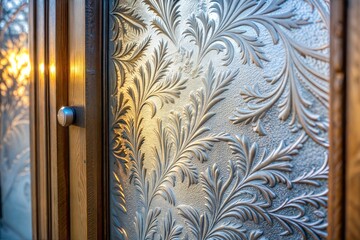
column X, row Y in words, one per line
column 175, row 67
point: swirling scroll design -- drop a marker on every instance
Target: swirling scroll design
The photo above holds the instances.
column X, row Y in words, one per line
column 251, row 179
column 239, row 23
column 157, row 152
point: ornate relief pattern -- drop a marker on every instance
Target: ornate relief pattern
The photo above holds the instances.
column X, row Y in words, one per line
column 160, row 52
column 168, row 17
column 256, row 199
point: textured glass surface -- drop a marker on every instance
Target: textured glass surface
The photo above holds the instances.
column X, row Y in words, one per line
column 218, row 119
column 15, row 206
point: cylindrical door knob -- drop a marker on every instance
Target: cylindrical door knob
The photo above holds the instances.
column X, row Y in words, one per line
column 66, row 116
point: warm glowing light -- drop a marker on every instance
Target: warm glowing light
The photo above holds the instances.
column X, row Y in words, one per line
column 17, row 64
column 20, row 64
column 74, row 69
column 15, row 70
column 52, row 69
column 42, row 68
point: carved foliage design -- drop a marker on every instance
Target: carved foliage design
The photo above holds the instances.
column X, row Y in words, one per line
column 156, row 151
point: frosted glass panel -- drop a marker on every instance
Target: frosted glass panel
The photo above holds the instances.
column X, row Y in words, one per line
column 15, row 206
column 218, row 119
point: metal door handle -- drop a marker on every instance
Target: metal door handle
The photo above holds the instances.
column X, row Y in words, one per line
column 66, row 116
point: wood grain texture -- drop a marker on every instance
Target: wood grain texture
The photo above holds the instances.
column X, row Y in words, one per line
column 49, row 142
column 33, row 164
column 93, row 118
column 41, row 202
column 77, row 133
column 85, row 93
column 58, row 88
column 43, row 126
column 337, row 121
column 352, row 201
column 105, row 124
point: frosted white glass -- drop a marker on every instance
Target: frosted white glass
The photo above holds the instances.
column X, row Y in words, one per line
column 218, row 119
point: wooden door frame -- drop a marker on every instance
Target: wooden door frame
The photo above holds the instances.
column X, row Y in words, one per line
column 337, row 116
column 49, row 141
column 50, row 50
column 85, row 52
column 49, row 40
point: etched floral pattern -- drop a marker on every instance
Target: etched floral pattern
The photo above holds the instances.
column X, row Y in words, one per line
column 217, row 109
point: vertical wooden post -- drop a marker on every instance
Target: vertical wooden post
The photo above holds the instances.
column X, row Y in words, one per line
column 49, row 142
column 337, row 121
column 85, row 93
column 352, row 197
column 39, row 122
column 58, row 97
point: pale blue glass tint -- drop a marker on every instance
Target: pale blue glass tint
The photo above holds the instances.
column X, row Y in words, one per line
column 15, row 204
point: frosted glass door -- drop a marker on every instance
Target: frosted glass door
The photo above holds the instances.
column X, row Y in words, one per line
column 15, row 194
column 218, row 119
